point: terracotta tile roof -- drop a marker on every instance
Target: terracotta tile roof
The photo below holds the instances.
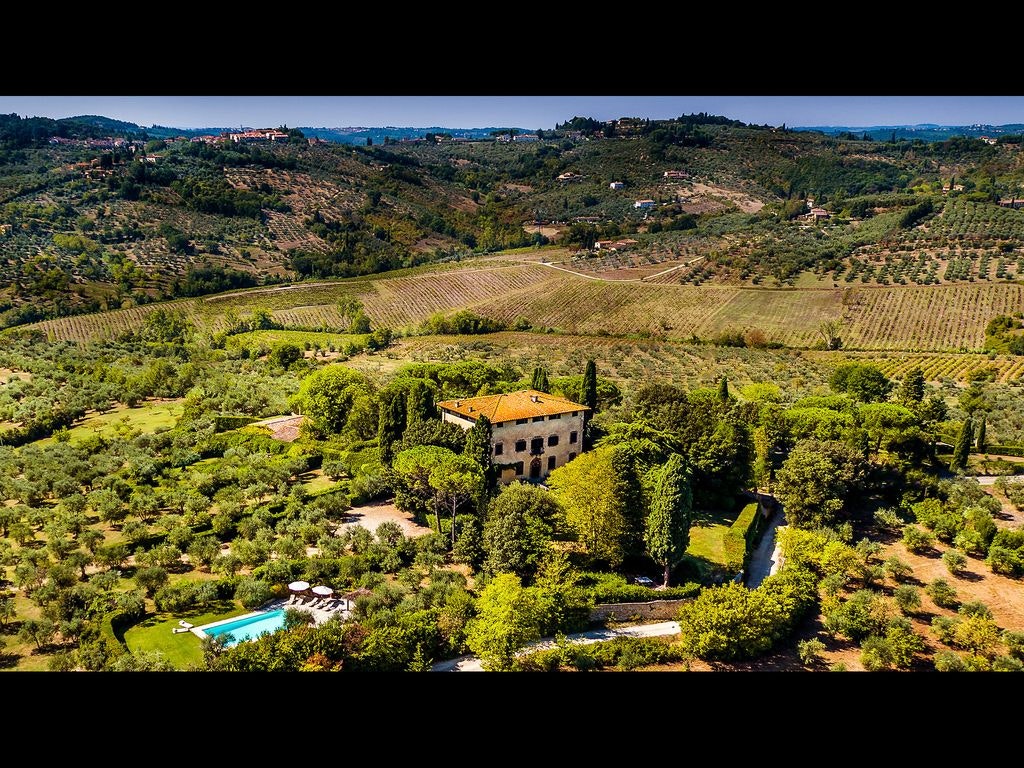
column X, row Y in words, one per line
column 511, row 406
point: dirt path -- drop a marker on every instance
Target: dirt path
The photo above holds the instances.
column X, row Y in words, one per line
column 589, row 277
column 648, row 278
column 370, row 516
column 991, row 479
column 283, row 428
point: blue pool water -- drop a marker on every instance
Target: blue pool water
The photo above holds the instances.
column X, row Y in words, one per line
column 250, row 628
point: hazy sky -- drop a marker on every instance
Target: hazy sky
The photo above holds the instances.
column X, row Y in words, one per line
column 517, row 111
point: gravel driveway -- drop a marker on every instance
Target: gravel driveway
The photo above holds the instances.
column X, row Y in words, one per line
column 371, row 515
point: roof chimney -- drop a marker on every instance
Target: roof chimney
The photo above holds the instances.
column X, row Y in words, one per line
column 471, row 409
column 533, row 398
column 458, row 403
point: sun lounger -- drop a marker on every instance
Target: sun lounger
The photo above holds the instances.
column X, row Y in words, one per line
column 185, row 624
column 179, row 630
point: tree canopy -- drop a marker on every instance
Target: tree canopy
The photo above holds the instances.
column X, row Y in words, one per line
column 326, row 397
column 588, row 491
column 520, row 523
column 864, row 381
column 817, row 483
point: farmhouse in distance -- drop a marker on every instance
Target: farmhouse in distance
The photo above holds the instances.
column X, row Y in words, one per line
column 532, row 432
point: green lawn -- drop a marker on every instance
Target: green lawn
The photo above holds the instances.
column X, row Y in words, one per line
column 707, row 535
column 145, row 418
column 316, row 480
column 182, row 650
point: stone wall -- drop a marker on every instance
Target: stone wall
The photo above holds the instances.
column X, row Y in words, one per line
column 656, row 609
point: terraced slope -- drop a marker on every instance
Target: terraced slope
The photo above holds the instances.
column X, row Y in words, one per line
column 895, row 318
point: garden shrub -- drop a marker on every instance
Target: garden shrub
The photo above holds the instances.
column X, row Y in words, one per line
column 916, row 540
column 942, row 593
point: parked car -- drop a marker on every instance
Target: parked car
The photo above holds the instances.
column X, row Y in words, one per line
column 644, row 581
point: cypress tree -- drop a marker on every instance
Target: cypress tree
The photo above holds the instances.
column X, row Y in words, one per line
column 911, row 389
column 478, row 448
column 419, row 403
column 390, row 427
column 589, row 389
column 962, row 448
column 981, row 436
column 630, row 495
column 723, row 389
column 540, row 379
column 667, row 533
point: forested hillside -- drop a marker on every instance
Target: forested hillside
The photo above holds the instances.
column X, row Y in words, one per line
column 95, row 216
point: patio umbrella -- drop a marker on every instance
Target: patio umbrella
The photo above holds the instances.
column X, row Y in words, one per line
column 299, row 586
column 323, row 591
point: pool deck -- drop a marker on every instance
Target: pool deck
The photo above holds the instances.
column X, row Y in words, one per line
column 319, row 615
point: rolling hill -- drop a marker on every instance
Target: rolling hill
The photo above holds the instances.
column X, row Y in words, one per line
column 725, row 245
column 544, row 297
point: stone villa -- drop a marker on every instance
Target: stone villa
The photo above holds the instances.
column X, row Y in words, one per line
column 532, row 432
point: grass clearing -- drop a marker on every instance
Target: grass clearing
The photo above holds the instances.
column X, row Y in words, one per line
column 183, row 650
column 707, row 535
column 120, row 420
column 316, row 480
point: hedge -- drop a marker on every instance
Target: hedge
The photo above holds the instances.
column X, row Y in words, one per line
column 1005, row 450
column 339, row 487
column 625, row 653
column 225, row 423
column 113, row 627
column 216, row 445
column 739, row 539
column 613, row 588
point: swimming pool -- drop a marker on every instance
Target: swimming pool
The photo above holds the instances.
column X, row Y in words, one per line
column 247, row 627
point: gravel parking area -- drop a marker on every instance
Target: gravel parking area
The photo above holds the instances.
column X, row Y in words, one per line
column 372, row 515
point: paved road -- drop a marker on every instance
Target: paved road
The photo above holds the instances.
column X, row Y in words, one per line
column 472, row 664
column 991, row 479
column 767, row 558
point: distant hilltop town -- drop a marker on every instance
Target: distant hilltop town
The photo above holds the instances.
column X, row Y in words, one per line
column 251, row 136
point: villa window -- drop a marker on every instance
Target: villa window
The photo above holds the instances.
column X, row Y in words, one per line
column 538, row 418
column 520, row 446
column 551, row 463
column 522, row 421
column 572, row 456
column 552, row 441
column 573, row 437
column 499, row 449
